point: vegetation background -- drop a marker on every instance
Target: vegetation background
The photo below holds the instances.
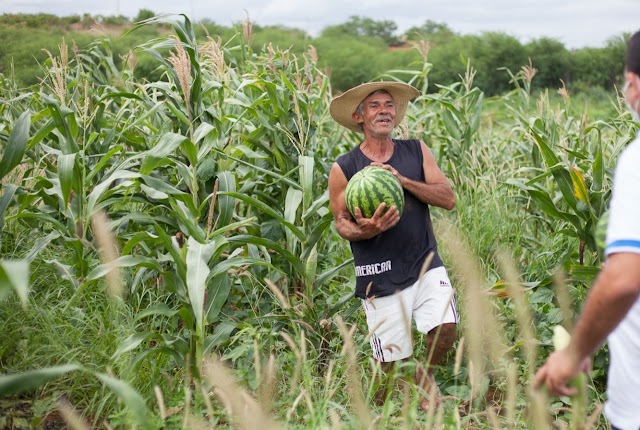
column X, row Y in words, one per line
column 167, row 254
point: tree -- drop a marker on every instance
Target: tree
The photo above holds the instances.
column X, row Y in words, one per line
column 144, row 14
column 365, row 27
column 350, row 60
column 494, row 51
column 436, row 32
column 552, row 61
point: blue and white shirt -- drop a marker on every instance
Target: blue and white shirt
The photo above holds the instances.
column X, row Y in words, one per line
column 623, row 235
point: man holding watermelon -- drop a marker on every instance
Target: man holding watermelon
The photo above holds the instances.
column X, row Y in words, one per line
column 612, row 309
column 400, row 277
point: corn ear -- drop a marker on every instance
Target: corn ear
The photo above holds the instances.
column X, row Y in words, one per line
column 561, row 340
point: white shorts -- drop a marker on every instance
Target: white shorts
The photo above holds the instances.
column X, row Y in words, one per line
column 430, row 302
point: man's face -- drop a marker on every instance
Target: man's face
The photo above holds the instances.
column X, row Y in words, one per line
column 378, row 114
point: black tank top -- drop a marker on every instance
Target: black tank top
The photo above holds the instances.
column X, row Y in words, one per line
column 392, row 260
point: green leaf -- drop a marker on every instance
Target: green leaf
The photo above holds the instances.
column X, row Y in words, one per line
column 220, row 335
column 159, row 309
column 296, row 262
column 7, row 196
column 202, row 131
column 268, row 210
column 451, row 124
column 267, row 172
column 218, row 289
column 542, row 295
column 306, row 178
column 582, row 273
column 128, row 395
column 234, row 263
column 157, row 155
column 560, row 174
column 39, row 245
column 598, row 170
column 16, row 145
column 198, row 256
column 100, row 190
column 68, row 128
column 187, row 219
column 314, row 208
column 66, row 164
column 190, row 151
column 106, row 158
column 173, row 250
column 132, row 342
column 326, row 276
column 14, row 275
column 315, row 235
column 26, row 381
column 226, row 204
column 124, row 261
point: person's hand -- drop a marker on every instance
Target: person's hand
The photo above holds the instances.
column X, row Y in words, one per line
column 380, row 220
column 390, row 168
column 558, row 370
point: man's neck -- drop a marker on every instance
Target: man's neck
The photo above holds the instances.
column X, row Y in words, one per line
column 377, row 148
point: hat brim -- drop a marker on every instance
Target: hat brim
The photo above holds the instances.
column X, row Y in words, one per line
column 343, row 106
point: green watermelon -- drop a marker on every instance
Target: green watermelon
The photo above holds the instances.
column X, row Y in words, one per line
column 601, row 232
column 372, row 186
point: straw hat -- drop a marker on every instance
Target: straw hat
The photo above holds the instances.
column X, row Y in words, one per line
column 343, row 106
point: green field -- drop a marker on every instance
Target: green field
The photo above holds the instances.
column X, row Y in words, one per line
column 168, row 258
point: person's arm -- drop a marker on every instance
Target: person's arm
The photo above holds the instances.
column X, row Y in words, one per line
column 614, row 292
column 436, row 190
column 362, row 228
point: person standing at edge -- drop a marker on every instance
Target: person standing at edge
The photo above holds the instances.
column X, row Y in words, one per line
column 404, row 243
column 612, row 308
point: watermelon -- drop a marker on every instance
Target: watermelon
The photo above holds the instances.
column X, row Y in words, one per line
column 601, row 232
column 372, row 186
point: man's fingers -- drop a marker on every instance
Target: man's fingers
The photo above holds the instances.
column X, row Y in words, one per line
column 554, row 388
column 585, row 366
column 358, row 215
column 380, row 210
column 561, row 390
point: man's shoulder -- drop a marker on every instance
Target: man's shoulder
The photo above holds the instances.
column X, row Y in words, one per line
column 348, row 155
column 406, row 141
column 413, row 146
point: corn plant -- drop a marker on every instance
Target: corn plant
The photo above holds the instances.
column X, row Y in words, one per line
column 569, row 178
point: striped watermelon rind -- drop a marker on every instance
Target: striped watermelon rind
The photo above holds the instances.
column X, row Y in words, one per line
column 601, row 233
column 371, row 186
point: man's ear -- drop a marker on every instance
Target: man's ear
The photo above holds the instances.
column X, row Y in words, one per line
column 357, row 117
column 633, row 91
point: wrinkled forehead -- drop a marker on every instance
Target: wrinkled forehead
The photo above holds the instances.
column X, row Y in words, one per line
column 383, row 95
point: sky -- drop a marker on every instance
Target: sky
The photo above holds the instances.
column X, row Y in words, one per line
column 575, row 23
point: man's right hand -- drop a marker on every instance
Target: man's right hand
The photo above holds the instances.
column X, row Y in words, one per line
column 380, row 220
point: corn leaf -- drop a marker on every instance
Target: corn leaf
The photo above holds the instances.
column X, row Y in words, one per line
column 128, row 395
column 66, row 164
column 5, row 200
column 16, row 145
column 27, row 381
column 14, row 275
column 198, row 256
